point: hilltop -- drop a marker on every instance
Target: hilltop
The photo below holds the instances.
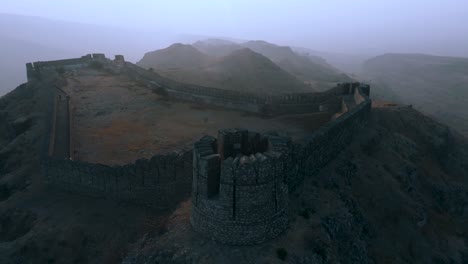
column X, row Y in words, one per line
column 217, row 47
column 175, row 57
column 240, row 70
column 307, row 68
column 433, row 84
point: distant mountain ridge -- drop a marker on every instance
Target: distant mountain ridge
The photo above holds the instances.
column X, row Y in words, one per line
column 176, row 56
column 241, row 70
column 436, row 85
column 306, row 68
column 249, row 66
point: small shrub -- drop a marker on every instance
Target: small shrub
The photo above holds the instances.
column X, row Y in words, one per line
column 60, row 70
column 5, row 192
column 321, row 251
column 151, row 69
column 304, row 213
column 282, row 253
column 160, row 91
column 96, row 65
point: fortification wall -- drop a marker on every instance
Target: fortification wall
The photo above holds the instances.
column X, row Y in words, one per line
column 300, row 103
column 188, row 92
column 316, row 150
column 34, row 70
column 159, row 182
column 239, row 192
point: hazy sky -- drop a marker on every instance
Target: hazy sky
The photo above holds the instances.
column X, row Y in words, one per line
column 375, row 26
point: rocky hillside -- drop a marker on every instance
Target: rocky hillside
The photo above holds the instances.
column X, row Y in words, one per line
column 305, row 68
column 310, row 69
column 435, row 85
column 38, row 225
column 397, row 194
column 241, row 70
column 175, row 57
column 217, row 47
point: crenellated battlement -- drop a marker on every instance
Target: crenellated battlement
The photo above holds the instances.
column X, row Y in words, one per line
column 239, row 191
column 34, row 69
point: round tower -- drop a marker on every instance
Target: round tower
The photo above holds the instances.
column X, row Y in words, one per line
column 239, row 191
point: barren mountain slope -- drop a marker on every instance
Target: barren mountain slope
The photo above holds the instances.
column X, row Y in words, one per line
column 38, row 225
column 308, row 69
column 397, row 194
column 435, row 85
column 241, row 70
column 217, row 47
column 175, row 57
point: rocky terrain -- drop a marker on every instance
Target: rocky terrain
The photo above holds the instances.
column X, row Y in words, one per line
column 434, row 85
column 398, row 194
column 38, row 225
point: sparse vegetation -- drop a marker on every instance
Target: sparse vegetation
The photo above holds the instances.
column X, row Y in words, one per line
column 281, row 253
column 5, row 192
column 60, row 70
column 96, row 65
column 304, row 213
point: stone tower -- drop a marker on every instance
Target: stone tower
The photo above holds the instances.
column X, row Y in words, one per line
column 239, row 192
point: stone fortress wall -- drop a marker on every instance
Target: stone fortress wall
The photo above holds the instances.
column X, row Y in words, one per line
column 297, row 103
column 158, row 182
column 239, row 195
column 240, row 192
column 164, row 180
column 316, row 150
column 35, row 69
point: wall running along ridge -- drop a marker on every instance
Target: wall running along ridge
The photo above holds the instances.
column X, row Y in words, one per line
column 164, row 180
column 297, row 103
column 34, row 70
column 232, row 198
column 159, row 182
column 316, row 150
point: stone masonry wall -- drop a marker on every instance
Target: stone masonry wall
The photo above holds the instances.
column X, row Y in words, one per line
column 159, row 182
column 33, row 70
column 316, row 150
column 239, row 195
column 239, row 192
column 268, row 105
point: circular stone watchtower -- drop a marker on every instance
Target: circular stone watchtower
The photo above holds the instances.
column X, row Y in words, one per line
column 239, row 191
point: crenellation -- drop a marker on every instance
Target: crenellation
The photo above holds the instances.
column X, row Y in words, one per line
column 248, row 184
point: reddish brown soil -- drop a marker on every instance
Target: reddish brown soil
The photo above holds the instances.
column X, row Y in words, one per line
column 117, row 121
